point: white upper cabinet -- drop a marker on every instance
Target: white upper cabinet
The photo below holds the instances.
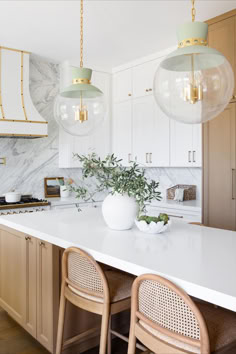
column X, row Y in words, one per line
column 99, row 142
column 122, row 85
column 122, row 132
column 143, row 76
column 150, row 133
column 185, row 144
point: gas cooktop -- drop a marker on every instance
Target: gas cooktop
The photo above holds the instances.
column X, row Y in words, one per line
column 26, row 201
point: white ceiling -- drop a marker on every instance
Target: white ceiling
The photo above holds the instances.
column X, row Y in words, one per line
column 115, row 31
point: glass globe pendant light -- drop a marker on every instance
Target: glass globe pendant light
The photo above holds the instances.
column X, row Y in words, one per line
column 80, row 108
column 194, row 83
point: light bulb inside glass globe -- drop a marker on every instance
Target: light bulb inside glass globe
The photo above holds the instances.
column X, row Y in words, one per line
column 195, row 83
column 80, row 108
column 80, row 116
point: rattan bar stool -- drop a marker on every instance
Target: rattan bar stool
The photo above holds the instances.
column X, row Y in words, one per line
column 166, row 320
column 88, row 287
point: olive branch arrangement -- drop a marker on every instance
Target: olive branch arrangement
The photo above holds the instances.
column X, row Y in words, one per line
column 112, row 177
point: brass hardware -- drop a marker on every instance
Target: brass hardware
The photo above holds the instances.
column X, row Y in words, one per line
column 29, row 135
column 27, row 238
column 22, row 88
column 192, row 41
column 3, row 160
column 193, row 11
column 42, row 244
column 193, row 92
column 129, row 94
column 233, row 97
column 129, row 158
column 189, row 156
column 147, row 90
column 233, row 184
column 22, row 121
column 147, row 157
column 150, row 157
column 194, row 152
column 15, row 50
column 81, row 81
column 81, row 32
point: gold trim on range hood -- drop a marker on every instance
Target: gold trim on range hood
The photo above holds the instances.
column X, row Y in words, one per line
column 30, row 130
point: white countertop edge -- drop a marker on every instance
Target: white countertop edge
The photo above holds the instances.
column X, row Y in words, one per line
column 207, row 294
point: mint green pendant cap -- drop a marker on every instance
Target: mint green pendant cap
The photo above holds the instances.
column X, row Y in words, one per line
column 192, row 30
column 81, row 84
column 192, row 39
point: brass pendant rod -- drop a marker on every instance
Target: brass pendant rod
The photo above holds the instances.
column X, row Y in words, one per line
column 81, row 32
column 193, row 11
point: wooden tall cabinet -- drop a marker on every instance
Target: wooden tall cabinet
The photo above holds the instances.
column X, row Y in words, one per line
column 219, row 139
column 29, row 284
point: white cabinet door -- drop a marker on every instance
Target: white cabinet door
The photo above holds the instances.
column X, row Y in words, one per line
column 185, row 144
column 197, row 145
column 180, row 144
column 143, row 125
column 122, row 85
column 160, row 151
column 122, row 131
column 99, row 142
column 143, row 76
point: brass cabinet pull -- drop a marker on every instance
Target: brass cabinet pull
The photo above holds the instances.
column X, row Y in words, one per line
column 233, row 184
column 147, row 157
column 27, row 238
column 194, row 152
column 129, row 94
column 189, row 156
column 129, row 158
column 150, row 157
column 41, row 243
column 2, row 160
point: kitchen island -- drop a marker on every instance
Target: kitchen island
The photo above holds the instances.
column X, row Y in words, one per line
column 199, row 259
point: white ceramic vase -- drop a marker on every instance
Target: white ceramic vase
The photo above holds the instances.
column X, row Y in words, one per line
column 64, row 192
column 119, row 211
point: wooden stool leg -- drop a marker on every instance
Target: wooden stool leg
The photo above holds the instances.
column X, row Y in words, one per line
column 104, row 329
column 61, row 320
column 132, row 339
column 109, row 337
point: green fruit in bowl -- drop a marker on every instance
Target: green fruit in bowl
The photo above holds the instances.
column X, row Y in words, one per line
column 149, row 219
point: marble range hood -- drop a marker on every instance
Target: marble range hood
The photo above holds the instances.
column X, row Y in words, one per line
column 18, row 115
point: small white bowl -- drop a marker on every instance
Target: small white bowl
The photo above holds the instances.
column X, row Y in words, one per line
column 153, row 227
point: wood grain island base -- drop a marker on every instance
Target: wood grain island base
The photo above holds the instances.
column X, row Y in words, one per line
column 30, row 289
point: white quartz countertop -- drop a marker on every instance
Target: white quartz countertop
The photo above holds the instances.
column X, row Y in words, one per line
column 199, row 259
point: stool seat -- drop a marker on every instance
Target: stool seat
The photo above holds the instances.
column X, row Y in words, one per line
column 119, row 284
column 221, row 324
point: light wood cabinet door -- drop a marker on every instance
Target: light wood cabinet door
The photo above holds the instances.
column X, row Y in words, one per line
column 45, row 294
column 219, row 170
column 122, row 86
column 122, row 132
column 31, row 285
column 13, row 274
column 143, row 77
column 222, row 36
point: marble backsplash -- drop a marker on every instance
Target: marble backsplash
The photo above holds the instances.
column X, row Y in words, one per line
column 29, row 161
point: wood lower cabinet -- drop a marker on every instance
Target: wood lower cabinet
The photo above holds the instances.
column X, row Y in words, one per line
column 29, row 284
